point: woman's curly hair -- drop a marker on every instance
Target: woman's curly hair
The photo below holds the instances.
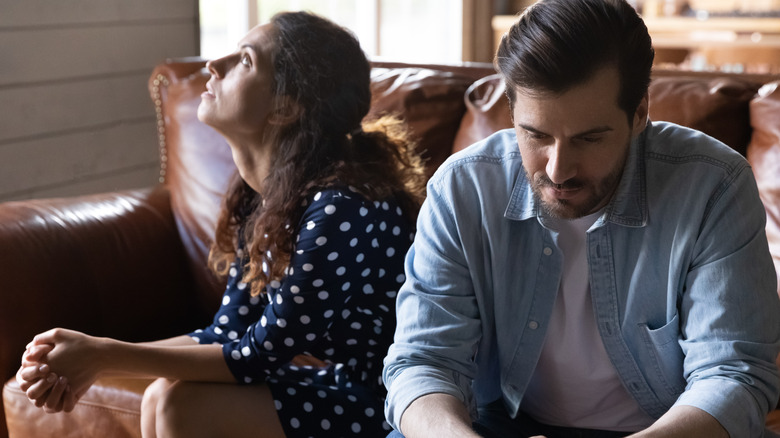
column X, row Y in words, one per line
column 320, row 67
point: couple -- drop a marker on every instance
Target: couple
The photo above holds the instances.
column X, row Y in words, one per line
column 587, row 273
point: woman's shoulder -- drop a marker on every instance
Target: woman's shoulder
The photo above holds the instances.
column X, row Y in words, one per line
column 339, row 201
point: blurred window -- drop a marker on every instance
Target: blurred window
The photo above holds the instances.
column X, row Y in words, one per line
column 424, row 31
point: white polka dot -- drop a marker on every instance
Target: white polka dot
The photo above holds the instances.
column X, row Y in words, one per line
column 305, row 319
column 356, row 427
column 366, row 272
column 323, row 295
column 295, row 289
column 398, row 211
column 369, row 228
column 308, row 407
column 318, row 196
column 275, row 284
column 247, row 380
column 370, row 412
column 352, row 398
column 345, row 313
column 400, row 278
column 360, row 257
column 295, row 423
column 341, row 270
column 235, row 354
column 243, row 310
column 298, row 300
column 325, row 424
column 363, row 211
column 246, row 351
column 263, row 321
column 385, row 206
column 328, row 313
column 333, row 256
column 330, row 209
column 396, row 231
column 383, row 226
column 345, row 226
column 322, row 240
column 352, row 342
column 310, row 225
column 217, row 330
column 345, row 286
column 330, row 352
column 391, row 294
column 196, row 339
column 291, row 391
column 338, row 409
column 281, row 322
column 233, row 272
column 390, row 252
column 368, row 289
column 356, row 326
column 277, row 404
column 289, row 342
column 268, row 345
column 310, row 337
column 353, row 242
column 225, row 300
column 241, row 285
column 224, row 319
column 308, row 267
column 374, row 243
column 381, row 272
column 232, row 335
column 322, row 394
column 279, row 299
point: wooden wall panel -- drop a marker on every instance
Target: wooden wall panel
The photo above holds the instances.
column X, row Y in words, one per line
column 77, row 117
column 76, row 156
column 25, row 13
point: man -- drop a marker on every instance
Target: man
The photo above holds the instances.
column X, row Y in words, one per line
column 588, row 273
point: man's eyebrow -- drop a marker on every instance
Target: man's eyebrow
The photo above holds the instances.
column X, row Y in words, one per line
column 247, row 46
column 595, row 130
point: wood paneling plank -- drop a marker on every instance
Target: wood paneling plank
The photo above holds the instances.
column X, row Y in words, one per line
column 21, row 13
column 60, row 160
column 55, row 107
column 46, row 55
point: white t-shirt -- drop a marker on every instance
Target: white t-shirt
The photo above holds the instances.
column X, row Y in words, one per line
column 575, row 384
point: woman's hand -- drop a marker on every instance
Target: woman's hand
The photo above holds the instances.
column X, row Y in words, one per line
column 58, row 368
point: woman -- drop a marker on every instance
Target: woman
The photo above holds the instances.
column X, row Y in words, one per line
column 311, row 237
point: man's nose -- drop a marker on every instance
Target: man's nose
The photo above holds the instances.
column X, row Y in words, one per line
column 561, row 163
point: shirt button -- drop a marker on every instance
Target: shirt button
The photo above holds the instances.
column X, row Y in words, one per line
column 533, row 325
column 547, row 251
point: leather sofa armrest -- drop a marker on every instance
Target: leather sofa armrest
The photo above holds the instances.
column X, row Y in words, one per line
column 109, row 264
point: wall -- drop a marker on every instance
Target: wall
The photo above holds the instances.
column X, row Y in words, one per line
column 75, row 113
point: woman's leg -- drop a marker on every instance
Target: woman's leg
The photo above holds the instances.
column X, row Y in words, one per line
column 149, row 402
column 190, row 409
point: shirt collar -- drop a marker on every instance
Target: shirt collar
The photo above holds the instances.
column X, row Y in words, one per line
column 627, row 207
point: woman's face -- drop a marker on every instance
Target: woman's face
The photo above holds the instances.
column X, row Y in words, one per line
column 239, row 97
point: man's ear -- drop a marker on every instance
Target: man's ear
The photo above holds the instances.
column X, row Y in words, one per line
column 287, row 111
column 640, row 116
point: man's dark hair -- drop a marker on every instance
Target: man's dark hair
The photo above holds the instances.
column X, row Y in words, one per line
column 558, row 44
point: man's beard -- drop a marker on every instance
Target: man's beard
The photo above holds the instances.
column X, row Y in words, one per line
column 599, row 193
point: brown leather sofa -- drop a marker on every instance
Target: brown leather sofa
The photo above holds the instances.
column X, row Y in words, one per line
column 132, row 264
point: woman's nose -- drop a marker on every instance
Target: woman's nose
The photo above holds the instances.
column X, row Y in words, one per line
column 217, row 66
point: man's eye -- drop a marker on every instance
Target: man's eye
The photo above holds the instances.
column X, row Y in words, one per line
column 246, row 61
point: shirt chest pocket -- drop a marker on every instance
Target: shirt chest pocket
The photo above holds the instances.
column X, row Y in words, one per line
column 665, row 370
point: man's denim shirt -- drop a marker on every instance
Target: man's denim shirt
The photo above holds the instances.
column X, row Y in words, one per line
column 683, row 286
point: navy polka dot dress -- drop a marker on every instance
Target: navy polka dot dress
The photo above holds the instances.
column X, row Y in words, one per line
column 336, row 303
